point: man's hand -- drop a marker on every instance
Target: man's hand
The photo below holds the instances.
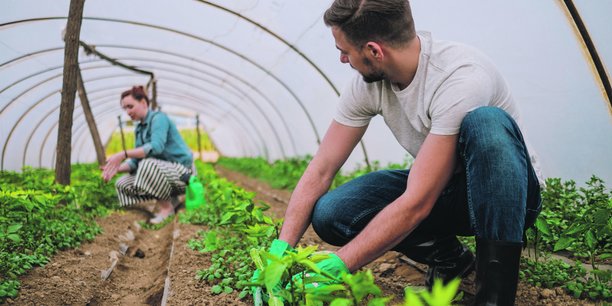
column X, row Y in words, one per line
column 112, row 166
column 278, row 249
column 329, row 271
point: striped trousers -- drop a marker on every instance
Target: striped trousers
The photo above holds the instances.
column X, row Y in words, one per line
column 155, row 179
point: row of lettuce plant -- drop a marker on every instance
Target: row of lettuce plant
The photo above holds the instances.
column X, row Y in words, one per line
column 284, row 174
column 238, row 230
column 575, row 222
column 39, row 217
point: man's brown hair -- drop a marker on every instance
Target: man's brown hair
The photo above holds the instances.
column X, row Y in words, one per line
column 388, row 21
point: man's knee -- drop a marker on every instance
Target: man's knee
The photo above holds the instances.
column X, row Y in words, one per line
column 486, row 116
column 489, row 129
column 325, row 221
column 322, row 214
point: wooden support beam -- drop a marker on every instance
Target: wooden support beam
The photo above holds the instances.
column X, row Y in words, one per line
column 91, row 121
column 71, row 68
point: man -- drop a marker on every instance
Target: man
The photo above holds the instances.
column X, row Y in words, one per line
column 448, row 106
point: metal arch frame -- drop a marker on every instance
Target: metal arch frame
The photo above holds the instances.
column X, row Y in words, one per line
column 199, row 101
column 198, row 38
column 46, row 138
column 171, row 79
column 80, row 132
column 273, row 34
column 94, row 91
column 223, row 111
column 9, row 136
column 290, row 136
column 37, row 73
column 240, row 94
column 228, row 50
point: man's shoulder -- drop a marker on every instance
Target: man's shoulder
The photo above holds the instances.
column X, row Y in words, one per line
column 448, row 53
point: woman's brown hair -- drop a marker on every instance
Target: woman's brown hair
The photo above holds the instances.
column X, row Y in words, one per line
column 137, row 92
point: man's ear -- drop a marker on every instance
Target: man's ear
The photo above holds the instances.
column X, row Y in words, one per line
column 375, row 50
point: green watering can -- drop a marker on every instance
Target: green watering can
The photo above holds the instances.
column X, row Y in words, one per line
column 194, row 195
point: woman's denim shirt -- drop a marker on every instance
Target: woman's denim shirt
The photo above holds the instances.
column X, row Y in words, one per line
column 160, row 139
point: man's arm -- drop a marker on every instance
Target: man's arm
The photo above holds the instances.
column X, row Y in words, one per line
column 337, row 145
column 431, row 171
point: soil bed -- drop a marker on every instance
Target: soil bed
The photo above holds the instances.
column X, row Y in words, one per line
column 73, row 277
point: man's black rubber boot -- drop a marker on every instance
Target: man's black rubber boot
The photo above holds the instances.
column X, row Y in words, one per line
column 446, row 257
column 497, row 266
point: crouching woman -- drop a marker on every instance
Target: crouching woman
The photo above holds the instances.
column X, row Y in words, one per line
column 157, row 163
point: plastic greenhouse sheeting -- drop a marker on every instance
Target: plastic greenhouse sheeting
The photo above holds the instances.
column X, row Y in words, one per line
column 265, row 75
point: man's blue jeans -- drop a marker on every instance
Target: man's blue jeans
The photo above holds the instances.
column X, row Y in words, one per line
column 496, row 196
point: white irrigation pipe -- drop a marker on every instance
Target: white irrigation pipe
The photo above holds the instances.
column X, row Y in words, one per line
column 175, row 234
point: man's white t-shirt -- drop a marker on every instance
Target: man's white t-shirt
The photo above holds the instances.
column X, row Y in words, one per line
column 451, row 80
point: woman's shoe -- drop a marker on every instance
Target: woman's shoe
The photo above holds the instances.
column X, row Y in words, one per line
column 159, row 218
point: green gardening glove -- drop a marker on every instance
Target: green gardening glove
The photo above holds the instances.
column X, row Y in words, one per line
column 278, row 249
column 328, row 272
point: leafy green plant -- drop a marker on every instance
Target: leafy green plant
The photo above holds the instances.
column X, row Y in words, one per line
column 235, row 224
column 440, row 294
column 39, row 217
column 578, row 221
column 278, row 279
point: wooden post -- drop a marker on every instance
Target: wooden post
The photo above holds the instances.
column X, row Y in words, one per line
column 121, row 131
column 71, row 61
column 198, row 134
column 91, row 122
column 154, row 95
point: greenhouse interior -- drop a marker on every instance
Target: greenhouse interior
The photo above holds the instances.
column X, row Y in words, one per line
column 195, row 152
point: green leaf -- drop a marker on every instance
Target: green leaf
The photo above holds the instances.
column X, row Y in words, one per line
column 216, row 289
column 575, row 228
column 605, row 256
column 563, row 243
column 411, row 298
column 273, row 273
column 379, row 301
column 14, row 237
column 591, row 241
column 341, row 302
column 275, row 301
column 14, row 228
column 542, row 226
column 442, row 295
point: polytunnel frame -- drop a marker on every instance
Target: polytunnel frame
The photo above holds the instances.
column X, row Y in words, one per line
column 200, row 100
column 81, row 133
column 112, row 99
column 183, row 95
column 117, row 88
column 46, row 138
column 284, row 85
column 55, row 108
column 265, row 97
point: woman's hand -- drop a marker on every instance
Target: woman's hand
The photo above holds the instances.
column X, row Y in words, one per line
column 112, row 166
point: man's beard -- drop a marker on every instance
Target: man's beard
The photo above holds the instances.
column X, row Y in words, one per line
column 373, row 76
